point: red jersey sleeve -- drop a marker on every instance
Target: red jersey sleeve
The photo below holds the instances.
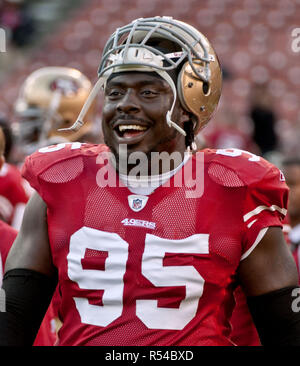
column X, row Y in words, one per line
column 266, row 193
column 265, row 205
column 28, row 172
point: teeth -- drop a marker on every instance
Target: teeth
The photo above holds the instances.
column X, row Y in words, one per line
column 132, row 127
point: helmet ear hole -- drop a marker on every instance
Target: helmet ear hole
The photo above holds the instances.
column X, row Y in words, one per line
column 66, row 122
column 205, row 88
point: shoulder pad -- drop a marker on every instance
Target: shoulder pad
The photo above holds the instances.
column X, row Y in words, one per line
column 59, row 163
column 237, row 168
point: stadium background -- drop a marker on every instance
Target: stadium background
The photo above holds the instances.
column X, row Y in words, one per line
column 253, row 39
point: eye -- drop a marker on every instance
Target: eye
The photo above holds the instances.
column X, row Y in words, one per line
column 149, row 93
column 114, row 93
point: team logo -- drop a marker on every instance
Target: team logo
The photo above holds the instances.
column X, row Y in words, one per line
column 139, row 223
column 66, row 87
column 137, row 203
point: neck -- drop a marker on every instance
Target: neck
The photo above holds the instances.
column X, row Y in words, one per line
column 139, row 164
column 145, row 185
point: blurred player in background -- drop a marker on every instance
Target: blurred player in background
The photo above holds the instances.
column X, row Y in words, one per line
column 7, row 233
column 47, row 333
column 9, row 138
column 13, row 193
column 151, row 264
column 50, row 99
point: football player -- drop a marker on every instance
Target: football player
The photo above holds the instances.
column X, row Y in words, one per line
column 7, row 233
column 49, row 99
column 144, row 252
column 13, row 193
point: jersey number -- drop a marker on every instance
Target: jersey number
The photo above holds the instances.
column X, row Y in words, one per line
column 111, row 278
column 237, row 152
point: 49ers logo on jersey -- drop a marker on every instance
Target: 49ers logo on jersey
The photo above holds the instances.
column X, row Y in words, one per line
column 139, row 223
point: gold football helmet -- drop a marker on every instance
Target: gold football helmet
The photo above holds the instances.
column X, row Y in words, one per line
column 49, row 99
column 181, row 49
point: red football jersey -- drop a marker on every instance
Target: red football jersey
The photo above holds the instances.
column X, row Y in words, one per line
column 157, row 269
column 7, row 237
column 13, row 196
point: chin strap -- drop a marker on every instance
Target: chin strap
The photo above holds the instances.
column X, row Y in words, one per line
column 173, row 124
column 170, row 81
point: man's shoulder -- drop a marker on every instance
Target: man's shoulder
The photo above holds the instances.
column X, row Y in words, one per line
column 55, row 154
column 60, row 162
column 67, row 150
column 237, row 168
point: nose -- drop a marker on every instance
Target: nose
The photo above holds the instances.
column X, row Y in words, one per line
column 129, row 103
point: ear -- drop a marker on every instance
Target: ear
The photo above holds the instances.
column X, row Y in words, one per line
column 2, row 161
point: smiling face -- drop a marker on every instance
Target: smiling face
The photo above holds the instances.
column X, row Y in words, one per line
column 134, row 114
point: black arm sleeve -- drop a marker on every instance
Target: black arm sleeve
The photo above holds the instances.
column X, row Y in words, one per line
column 276, row 317
column 26, row 295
